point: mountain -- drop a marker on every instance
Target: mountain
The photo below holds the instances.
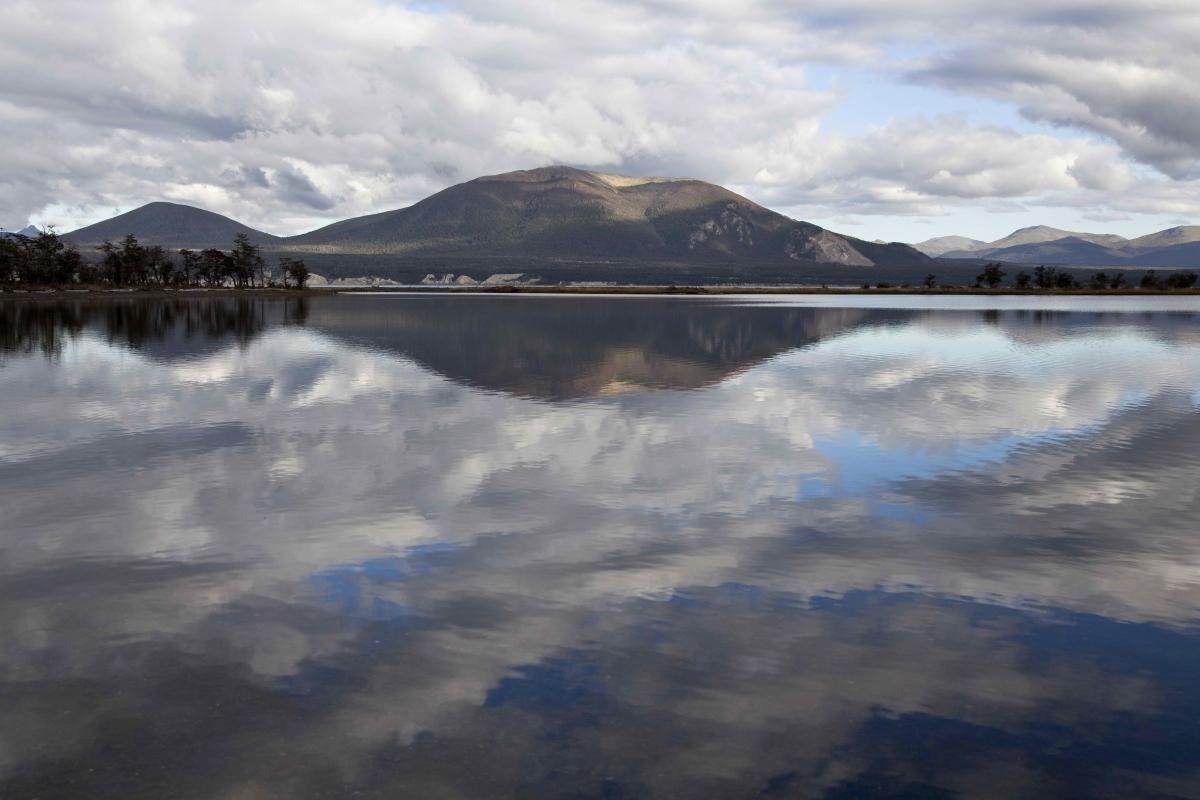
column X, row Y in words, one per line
column 30, row 231
column 1069, row 250
column 1036, row 234
column 1179, row 256
column 940, row 245
column 1173, row 248
column 562, row 213
column 1043, row 233
column 1184, row 234
column 171, row 225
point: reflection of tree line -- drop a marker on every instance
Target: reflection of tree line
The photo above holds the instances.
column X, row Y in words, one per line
column 46, row 325
column 1168, row 323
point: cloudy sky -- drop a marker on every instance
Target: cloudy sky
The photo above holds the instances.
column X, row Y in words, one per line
column 955, row 116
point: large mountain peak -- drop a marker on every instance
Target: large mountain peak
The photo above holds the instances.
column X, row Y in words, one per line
column 559, row 172
column 564, row 213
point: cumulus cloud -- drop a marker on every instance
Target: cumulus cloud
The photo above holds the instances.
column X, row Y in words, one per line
column 1121, row 73
column 286, row 115
column 918, row 165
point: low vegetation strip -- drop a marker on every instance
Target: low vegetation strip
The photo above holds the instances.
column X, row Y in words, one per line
column 46, row 261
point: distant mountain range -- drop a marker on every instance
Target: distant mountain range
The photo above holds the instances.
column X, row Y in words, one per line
column 29, row 231
column 561, row 215
column 554, row 213
column 1175, row 247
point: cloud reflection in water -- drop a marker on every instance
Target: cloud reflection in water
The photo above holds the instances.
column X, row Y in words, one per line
column 583, row 547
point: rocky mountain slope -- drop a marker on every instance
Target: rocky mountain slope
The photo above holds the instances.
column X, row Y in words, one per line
column 565, row 213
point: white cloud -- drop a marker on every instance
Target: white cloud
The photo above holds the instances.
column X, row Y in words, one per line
column 287, row 115
column 1123, row 72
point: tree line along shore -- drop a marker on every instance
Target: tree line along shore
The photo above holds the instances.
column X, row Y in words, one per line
column 46, row 262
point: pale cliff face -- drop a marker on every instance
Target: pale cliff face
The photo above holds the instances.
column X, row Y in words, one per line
column 825, row 247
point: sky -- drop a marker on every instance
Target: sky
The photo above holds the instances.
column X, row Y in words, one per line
column 877, row 118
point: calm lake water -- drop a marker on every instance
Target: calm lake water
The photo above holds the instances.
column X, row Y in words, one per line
column 435, row 547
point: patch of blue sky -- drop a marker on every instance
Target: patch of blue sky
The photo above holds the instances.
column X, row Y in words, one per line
column 873, row 95
column 431, row 7
column 861, row 464
column 862, row 467
column 819, row 487
column 876, row 93
column 813, row 487
column 349, row 588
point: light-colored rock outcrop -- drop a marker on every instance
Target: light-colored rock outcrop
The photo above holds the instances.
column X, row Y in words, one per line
column 728, row 223
column 504, row 278
column 448, row 279
column 364, row 281
column 824, row 247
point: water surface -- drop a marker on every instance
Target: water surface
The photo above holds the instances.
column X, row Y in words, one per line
column 583, row 547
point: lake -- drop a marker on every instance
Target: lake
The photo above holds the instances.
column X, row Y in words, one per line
column 584, row 547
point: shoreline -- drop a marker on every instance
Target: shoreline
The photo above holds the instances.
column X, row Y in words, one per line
column 798, row 290
column 319, row 291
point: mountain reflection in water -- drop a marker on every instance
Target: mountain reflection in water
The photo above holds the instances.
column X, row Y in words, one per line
column 428, row 546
